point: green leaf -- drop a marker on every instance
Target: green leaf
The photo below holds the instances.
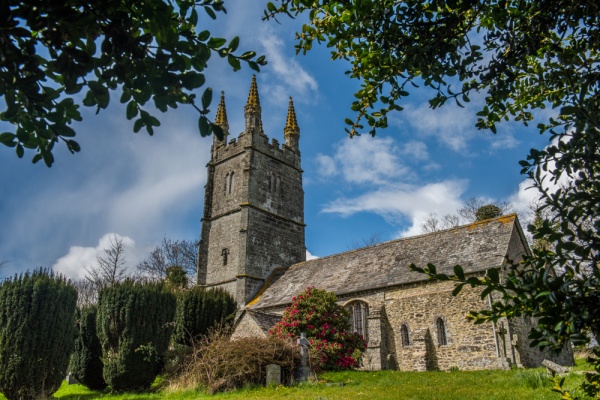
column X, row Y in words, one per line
column 138, row 125
column 73, row 146
column 206, row 98
column 203, row 126
column 233, row 44
column 210, row 12
column 492, row 273
column 218, row 131
column 234, row 62
column 8, row 139
column 458, row 271
column 132, row 109
column 194, row 17
column 62, row 130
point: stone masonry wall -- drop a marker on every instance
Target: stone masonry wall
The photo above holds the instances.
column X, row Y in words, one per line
column 247, row 327
column 469, row 346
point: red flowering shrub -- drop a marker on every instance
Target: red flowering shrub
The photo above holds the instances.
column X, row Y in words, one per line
column 326, row 324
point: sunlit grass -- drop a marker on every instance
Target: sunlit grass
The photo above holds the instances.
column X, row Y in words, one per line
column 531, row 384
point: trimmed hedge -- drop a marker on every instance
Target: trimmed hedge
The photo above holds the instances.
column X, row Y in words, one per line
column 86, row 363
column 199, row 310
column 37, row 328
column 134, row 328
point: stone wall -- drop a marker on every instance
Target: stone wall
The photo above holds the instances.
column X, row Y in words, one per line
column 247, row 327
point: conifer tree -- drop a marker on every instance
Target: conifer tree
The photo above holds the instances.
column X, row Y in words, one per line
column 37, row 312
column 198, row 310
column 86, row 363
column 134, row 328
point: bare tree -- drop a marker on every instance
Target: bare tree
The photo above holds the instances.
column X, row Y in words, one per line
column 111, row 268
column 373, row 239
column 433, row 223
column 170, row 253
column 469, row 212
column 3, row 265
column 465, row 215
column 87, row 292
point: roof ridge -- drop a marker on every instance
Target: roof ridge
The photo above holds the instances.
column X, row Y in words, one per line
column 512, row 216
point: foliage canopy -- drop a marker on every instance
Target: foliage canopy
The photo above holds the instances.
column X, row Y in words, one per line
column 150, row 50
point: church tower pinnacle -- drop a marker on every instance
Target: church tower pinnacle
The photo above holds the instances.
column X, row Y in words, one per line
column 252, row 111
column 221, row 118
column 292, row 130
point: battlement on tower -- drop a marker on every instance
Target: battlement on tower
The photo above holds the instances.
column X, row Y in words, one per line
column 272, row 148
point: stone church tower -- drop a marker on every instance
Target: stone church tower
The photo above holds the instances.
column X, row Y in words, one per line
column 253, row 217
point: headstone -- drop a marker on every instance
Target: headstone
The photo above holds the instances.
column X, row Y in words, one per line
column 303, row 372
column 554, row 368
column 273, row 375
column 71, row 380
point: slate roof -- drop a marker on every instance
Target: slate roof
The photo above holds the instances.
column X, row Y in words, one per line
column 476, row 247
column 265, row 321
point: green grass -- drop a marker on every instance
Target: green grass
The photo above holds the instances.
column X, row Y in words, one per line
column 459, row 385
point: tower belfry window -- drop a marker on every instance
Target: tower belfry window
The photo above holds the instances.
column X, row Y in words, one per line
column 230, row 184
column 224, row 254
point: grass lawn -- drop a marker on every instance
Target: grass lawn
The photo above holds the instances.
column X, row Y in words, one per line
column 489, row 385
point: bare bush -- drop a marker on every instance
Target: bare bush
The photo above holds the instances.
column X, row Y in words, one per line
column 219, row 364
column 170, row 253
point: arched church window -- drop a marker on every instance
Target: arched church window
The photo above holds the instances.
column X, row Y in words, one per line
column 226, row 186
column 277, row 184
column 441, row 332
column 224, row 254
column 404, row 335
column 359, row 311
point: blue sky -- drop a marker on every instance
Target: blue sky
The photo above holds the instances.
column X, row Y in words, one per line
column 145, row 188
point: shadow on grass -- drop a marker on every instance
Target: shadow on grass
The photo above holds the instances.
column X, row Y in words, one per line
column 78, row 396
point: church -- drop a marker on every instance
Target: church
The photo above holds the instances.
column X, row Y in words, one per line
column 252, row 245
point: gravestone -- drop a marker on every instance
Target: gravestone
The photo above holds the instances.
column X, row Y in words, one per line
column 273, row 375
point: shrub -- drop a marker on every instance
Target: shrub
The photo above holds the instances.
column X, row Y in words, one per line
column 86, row 364
column 487, row 212
column 176, row 277
column 326, row 325
column 219, row 364
column 37, row 327
column 134, row 328
column 198, row 311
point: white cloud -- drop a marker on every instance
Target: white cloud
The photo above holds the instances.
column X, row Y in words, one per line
column 451, row 125
column 74, row 263
column 310, row 256
column 404, row 202
column 416, row 150
column 504, row 141
column 289, row 76
column 527, row 195
column 364, row 159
